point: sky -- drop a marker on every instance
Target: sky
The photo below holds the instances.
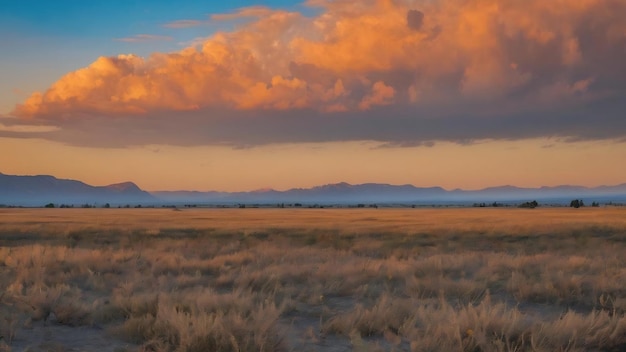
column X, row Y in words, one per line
column 244, row 95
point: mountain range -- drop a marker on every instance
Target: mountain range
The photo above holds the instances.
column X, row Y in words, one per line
column 44, row 189
column 369, row 193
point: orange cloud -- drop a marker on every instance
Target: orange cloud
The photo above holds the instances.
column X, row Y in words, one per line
column 362, row 55
column 381, row 94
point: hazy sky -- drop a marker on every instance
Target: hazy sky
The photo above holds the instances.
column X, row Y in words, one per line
column 241, row 95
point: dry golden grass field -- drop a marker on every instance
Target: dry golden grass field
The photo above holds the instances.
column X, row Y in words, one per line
column 313, row 279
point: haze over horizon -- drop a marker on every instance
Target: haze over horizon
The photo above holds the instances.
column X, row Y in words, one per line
column 287, row 94
column 338, row 183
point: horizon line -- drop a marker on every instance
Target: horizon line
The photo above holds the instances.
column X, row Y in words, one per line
column 326, row 184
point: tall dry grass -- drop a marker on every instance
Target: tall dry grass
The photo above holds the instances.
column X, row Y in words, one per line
column 273, row 280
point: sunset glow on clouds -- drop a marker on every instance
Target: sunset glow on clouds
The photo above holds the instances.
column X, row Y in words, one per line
column 400, row 73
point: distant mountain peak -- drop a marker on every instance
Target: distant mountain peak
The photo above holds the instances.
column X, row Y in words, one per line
column 503, row 187
column 263, row 190
column 44, row 189
column 334, row 185
column 124, row 186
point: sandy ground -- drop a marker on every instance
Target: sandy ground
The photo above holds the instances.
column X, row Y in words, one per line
column 53, row 337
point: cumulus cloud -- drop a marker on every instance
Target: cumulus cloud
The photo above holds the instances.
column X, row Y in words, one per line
column 402, row 72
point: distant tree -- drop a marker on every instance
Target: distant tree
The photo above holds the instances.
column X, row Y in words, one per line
column 595, row 204
column 577, row 203
column 107, row 205
column 50, row 205
column 529, row 205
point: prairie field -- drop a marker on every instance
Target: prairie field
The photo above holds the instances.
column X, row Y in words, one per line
column 546, row 279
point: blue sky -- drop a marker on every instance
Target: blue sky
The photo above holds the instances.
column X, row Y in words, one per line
column 43, row 40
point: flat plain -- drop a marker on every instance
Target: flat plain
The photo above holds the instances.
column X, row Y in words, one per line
column 504, row 279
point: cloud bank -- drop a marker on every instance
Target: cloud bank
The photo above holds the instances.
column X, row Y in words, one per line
column 399, row 72
column 18, row 128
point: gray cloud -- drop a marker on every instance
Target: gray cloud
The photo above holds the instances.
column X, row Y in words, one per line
column 415, row 19
column 398, row 126
column 14, row 127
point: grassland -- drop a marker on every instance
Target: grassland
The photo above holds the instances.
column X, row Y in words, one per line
column 313, row 279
